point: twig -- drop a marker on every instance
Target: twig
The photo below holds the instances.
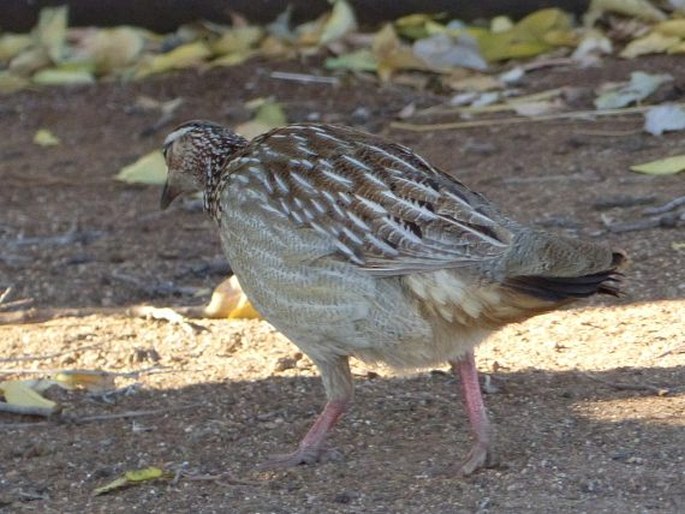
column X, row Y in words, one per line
column 167, row 314
column 305, row 78
column 130, row 414
column 102, row 417
column 664, row 221
column 5, row 294
column 226, row 477
column 50, row 355
column 676, row 349
column 142, row 311
column 668, row 206
column 659, row 391
column 70, row 237
column 23, row 302
column 575, row 115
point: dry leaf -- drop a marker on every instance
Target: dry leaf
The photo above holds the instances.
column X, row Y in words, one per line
column 9, row 83
column 95, row 381
column 62, row 77
column 664, row 118
column 12, row 45
column 674, row 27
column 418, row 26
column 149, row 169
column 51, row 31
column 44, row 137
column 269, row 114
column 652, row 43
column 668, row 166
column 22, row 393
column 641, row 85
column 184, row 56
column 359, row 60
column 340, row 22
column 391, row 54
column 110, row 49
column 229, row 301
column 442, row 52
column 131, row 478
column 642, row 9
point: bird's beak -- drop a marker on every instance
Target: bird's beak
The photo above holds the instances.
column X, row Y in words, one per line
column 168, row 195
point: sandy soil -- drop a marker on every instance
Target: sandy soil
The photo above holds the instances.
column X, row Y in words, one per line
column 589, row 403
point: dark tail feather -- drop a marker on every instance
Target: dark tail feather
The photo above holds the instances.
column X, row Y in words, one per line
column 557, row 289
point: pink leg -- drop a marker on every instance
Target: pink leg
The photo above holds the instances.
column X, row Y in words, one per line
column 337, row 381
column 481, row 454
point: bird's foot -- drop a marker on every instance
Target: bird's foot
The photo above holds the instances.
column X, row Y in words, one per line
column 480, row 456
column 303, row 455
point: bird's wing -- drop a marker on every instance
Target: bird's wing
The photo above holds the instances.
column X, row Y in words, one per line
column 386, row 209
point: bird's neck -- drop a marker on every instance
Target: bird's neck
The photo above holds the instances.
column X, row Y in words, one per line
column 215, row 169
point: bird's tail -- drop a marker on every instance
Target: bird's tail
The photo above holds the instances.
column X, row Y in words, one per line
column 556, row 269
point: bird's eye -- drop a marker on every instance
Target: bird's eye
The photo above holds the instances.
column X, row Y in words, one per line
column 165, row 151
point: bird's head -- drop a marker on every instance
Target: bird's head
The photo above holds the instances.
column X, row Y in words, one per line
column 195, row 153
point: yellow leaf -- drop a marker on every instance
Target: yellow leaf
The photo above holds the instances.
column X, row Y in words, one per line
column 130, row 478
column 12, row 45
column 642, row 9
column 501, row 24
column 88, row 379
column 29, row 61
column 20, row 393
column 9, row 83
column 340, row 22
column 501, row 46
column 677, row 49
column 360, row 60
column 652, row 43
column 233, row 59
column 237, row 40
column 668, row 166
column 51, row 31
column 391, row 54
column 58, row 77
column 183, row 56
column 418, row 26
column 141, row 475
column 229, row 301
column 149, row 169
column 268, row 115
column 44, row 137
column 536, row 25
column 671, row 28
column 112, row 49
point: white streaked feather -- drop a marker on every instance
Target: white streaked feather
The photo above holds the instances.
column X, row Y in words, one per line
column 281, row 184
column 338, row 179
column 384, row 247
column 374, row 206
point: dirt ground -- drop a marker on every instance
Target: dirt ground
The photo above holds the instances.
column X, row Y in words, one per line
column 589, row 403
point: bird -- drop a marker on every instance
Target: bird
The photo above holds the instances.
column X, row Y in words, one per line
column 355, row 246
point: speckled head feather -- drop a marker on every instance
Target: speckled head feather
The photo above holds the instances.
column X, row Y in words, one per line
column 195, row 153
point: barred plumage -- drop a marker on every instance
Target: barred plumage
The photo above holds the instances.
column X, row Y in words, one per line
column 353, row 245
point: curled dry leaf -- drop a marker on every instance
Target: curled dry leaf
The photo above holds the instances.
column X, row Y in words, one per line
column 229, row 301
column 132, row 477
